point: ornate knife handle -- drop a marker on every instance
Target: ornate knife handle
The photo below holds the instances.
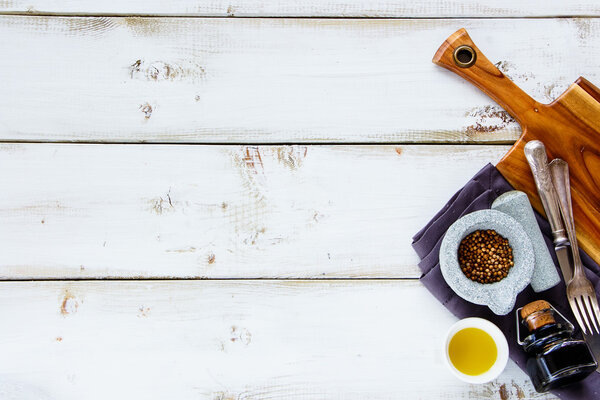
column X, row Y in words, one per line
column 535, row 153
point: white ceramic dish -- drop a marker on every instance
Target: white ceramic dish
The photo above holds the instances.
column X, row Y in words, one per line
column 501, row 346
column 499, row 296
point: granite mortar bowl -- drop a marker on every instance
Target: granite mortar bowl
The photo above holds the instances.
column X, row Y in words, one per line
column 499, row 296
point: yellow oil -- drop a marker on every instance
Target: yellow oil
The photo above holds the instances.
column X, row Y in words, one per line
column 472, row 351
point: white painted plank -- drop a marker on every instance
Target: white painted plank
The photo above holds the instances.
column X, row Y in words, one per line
column 272, row 80
column 320, row 8
column 231, row 340
column 94, row 211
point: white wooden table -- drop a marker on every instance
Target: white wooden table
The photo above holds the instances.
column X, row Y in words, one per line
column 201, row 206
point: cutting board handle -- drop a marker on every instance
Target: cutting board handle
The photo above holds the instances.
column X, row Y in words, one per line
column 460, row 55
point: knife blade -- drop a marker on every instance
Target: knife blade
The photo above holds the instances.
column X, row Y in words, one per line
column 593, row 342
column 564, row 260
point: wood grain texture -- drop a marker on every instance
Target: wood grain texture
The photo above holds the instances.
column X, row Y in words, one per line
column 325, row 8
column 272, row 80
column 127, row 211
column 220, row 340
column 569, row 127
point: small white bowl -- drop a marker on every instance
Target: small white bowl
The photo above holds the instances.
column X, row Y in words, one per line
column 501, row 346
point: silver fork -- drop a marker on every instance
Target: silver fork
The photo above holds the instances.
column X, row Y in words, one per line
column 580, row 291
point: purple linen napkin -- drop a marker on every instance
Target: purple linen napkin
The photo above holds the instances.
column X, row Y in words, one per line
column 477, row 194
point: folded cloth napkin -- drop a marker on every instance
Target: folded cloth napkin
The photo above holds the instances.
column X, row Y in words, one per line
column 477, row 194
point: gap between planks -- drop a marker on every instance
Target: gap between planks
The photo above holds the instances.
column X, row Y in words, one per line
column 268, row 144
column 323, row 8
column 297, row 16
column 169, row 279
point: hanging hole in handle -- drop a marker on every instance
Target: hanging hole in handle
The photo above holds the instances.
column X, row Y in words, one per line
column 464, row 56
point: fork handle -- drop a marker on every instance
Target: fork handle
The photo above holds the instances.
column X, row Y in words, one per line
column 560, row 177
column 535, row 153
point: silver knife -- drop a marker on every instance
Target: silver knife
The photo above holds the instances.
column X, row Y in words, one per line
column 535, row 153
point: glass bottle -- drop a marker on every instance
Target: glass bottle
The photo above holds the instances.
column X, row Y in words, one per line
column 555, row 358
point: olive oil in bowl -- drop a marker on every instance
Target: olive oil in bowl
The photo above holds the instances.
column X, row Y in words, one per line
column 472, row 351
column 476, row 350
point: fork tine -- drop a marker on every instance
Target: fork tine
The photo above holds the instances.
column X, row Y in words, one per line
column 585, row 312
column 590, row 312
column 596, row 312
column 580, row 314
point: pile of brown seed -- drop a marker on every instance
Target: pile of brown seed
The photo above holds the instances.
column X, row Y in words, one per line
column 485, row 256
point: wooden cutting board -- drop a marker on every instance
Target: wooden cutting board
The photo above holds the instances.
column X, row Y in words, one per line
column 569, row 127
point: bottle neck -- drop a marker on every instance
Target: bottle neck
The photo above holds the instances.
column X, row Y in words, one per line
column 545, row 336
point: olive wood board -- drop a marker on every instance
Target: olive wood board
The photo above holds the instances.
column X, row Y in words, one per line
column 569, row 127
